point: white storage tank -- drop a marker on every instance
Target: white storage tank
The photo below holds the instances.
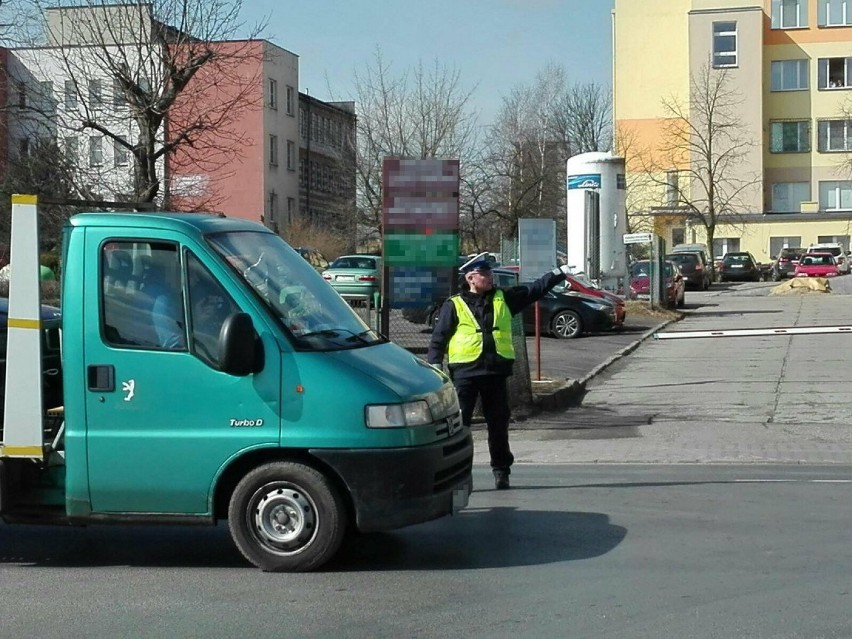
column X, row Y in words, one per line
column 597, row 216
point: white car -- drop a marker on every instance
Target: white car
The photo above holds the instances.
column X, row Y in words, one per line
column 836, row 249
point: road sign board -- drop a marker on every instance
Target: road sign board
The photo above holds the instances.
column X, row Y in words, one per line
column 638, row 238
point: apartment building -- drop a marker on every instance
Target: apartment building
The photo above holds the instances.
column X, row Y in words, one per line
column 327, row 133
column 789, row 63
column 244, row 160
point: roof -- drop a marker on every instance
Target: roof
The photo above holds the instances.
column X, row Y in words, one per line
column 183, row 222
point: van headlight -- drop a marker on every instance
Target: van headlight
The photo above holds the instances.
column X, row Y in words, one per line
column 398, row 415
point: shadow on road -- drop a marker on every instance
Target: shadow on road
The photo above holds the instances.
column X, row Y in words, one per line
column 477, row 538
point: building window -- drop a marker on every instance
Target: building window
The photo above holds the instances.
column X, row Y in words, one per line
column 672, row 190
column 273, row 94
column 291, row 209
column 789, row 75
column 835, row 73
column 724, row 44
column 778, row 243
column 46, row 96
column 834, row 136
column 834, row 13
column 835, row 195
column 789, row 14
column 70, row 94
column 22, row 95
column 291, row 95
column 23, row 147
column 95, row 94
column 790, row 137
column 118, row 99
column 96, row 150
column 787, row 197
column 291, row 155
column 303, row 125
column 273, row 150
column 120, row 154
column 843, row 240
column 678, row 236
column 72, row 149
column 722, row 245
column 273, row 206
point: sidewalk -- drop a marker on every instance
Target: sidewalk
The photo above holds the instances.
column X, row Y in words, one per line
column 769, row 399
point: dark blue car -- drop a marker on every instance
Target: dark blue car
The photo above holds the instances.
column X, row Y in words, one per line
column 50, row 352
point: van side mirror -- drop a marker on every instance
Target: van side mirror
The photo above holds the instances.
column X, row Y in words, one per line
column 238, row 345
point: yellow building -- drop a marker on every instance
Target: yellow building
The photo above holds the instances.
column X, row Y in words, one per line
column 790, row 63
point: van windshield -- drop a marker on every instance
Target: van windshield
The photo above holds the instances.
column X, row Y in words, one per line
column 308, row 308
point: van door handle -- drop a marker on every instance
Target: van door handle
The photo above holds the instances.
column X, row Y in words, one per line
column 101, row 378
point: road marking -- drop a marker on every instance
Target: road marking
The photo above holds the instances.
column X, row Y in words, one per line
column 793, row 481
column 750, row 332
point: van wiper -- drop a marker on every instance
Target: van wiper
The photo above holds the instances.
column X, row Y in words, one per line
column 335, row 332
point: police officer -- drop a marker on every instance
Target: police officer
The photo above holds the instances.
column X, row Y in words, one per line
column 474, row 330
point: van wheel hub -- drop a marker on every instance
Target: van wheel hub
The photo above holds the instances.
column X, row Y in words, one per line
column 284, row 517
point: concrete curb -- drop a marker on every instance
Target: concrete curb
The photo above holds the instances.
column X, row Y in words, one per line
column 570, row 393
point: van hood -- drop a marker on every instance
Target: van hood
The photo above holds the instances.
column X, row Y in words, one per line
column 403, row 373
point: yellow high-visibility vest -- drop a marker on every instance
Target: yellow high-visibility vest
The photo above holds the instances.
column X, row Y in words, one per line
column 466, row 344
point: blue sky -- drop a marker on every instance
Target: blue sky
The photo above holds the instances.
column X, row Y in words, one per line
column 495, row 44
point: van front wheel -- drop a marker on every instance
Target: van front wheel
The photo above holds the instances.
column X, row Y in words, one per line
column 286, row 517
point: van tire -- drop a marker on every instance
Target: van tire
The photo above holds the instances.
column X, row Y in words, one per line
column 286, row 517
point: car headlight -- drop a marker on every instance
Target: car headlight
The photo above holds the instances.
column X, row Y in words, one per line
column 398, row 415
column 598, row 307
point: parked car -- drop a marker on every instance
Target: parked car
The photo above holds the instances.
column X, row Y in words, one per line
column 51, row 356
column 562, row 313
column 640, row 283
column 313, row 256
column 692, row 267
column 817, row 265
column 739, row 266
column 704, row 255
column 355, row 275
column 836, row 249
column 785, row 263
column 579, row 283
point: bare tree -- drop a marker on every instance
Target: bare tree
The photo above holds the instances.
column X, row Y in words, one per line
column 583, row 118
column 699, row 162
column 420, row 113
column 46, row 171
column 538, row 128
column 140, row 78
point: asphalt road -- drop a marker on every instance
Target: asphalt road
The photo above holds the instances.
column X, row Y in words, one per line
column 572, row 551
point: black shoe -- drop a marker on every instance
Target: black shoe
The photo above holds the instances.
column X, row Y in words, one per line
column 501, row 479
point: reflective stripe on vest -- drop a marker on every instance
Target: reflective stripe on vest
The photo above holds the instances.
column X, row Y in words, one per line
column 466, row 343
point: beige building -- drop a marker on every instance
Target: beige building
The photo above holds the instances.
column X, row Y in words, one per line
column 788, row 62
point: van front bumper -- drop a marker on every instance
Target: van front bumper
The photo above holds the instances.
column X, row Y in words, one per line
column 396, row 487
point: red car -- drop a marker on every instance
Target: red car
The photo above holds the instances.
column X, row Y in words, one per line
column 817, row 265
column 640, row 283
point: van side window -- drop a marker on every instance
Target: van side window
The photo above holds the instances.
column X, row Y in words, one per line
column 209, row 305
column 141, row 295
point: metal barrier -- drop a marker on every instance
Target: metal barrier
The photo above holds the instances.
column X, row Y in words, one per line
column 367, row 307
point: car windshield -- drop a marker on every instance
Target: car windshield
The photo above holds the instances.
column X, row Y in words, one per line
column 306, row 306
column 682, row 258
column 348, row 261
column 643, row 269
column 736, row 259
column 817, row 260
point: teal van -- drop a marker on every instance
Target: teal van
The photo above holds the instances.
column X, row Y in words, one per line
column 210, row 373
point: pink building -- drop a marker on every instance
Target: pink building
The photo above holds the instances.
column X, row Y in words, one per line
column 246, row 163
